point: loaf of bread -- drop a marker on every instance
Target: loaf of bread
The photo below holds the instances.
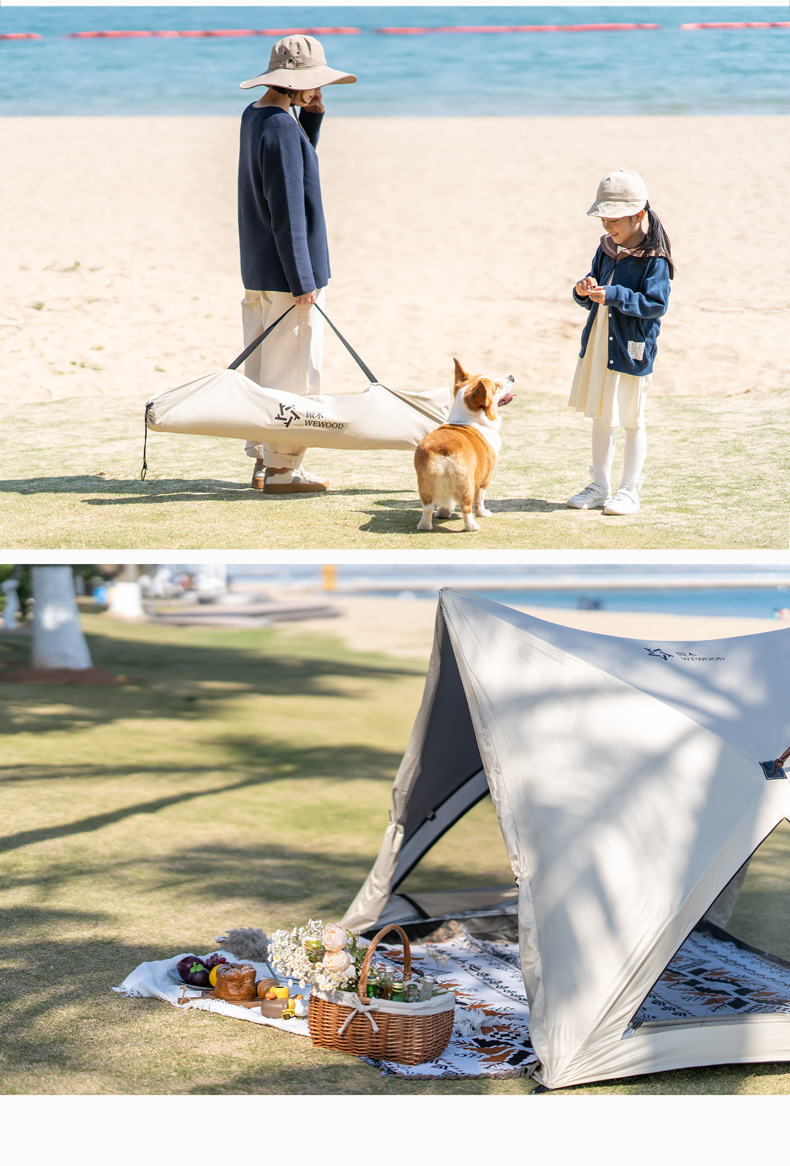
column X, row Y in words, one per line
column 263, row 987
column 235, row 982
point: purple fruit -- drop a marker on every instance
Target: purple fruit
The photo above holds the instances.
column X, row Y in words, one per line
column 192, row 971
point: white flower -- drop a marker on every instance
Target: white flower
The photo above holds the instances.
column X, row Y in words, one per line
column 336, row 961
column 335, row 937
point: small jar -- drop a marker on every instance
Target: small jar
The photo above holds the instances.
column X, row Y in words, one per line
column 397, row 990
column 411, row 991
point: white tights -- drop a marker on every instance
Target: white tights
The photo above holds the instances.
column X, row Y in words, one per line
column 603, row 455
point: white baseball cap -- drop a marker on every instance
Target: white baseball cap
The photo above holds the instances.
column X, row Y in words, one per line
column 619, row 194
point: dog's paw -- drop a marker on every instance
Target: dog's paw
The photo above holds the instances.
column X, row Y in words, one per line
column 443, row 512
column 469, row 523
column 483, row 513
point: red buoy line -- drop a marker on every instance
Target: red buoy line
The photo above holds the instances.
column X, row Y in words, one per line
column 118, row 33
column 742, row 24
column 519, row 28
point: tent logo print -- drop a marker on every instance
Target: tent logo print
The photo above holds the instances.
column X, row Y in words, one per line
column 682, row 657
column 287, row 414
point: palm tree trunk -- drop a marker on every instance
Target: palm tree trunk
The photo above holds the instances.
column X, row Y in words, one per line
column 58, row 641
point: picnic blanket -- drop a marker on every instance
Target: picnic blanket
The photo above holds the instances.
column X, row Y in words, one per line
column 490, row 1037
column 159, row 978
column 711, row 973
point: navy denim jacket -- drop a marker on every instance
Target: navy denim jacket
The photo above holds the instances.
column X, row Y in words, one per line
column 636, row 299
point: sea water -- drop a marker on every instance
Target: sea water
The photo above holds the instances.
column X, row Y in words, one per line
column 667, row 70
column 698, row 590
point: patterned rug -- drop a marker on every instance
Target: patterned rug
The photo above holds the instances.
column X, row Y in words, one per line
column 491, row 1035
column 713, row 973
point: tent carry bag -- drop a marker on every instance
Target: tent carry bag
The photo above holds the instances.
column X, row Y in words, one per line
column 228, row 404
column 387, row 1030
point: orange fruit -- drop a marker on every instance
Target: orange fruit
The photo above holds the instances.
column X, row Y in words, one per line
column 212, row 976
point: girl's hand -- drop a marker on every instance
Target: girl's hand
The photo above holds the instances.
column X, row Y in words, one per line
column 305, row 301
column 597, row 294
column 584, row 285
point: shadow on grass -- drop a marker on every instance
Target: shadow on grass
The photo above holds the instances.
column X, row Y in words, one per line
column 404, row 516
column 210, row 491
column 177, row 678
column 274, row 762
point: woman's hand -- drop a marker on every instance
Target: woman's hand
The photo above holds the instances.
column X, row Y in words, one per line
column 315, row 104
column 305, row 301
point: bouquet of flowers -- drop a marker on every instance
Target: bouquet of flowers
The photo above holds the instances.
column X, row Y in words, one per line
column 329, row 957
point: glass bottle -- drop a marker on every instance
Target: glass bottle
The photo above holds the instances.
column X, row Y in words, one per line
column 428, row 985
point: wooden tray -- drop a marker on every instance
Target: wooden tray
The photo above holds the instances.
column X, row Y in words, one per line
column 270, row 1008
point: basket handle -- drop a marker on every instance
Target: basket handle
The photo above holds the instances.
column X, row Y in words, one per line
column 362, row 986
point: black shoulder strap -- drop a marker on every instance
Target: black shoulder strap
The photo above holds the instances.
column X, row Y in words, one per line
column 259, row 340
column 373, row 380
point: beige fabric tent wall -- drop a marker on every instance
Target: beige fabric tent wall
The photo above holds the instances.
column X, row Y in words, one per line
column 628, row 783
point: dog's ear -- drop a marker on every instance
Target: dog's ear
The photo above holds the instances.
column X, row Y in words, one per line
column 481, row 395
column 460, row 375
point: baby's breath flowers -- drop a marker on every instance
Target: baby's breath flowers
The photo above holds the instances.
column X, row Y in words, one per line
column 329, row 957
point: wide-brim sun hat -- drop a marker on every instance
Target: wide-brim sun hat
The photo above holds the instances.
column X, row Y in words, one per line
column 619, row 194
column 298, row 62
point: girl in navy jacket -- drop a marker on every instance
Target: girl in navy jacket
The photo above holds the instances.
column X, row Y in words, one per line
column 625, row 294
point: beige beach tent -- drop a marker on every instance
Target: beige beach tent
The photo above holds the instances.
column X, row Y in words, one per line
column 632, row 781
column 228, row 404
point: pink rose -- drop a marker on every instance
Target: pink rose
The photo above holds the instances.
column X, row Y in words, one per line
column 336, row 961
column 335, row 937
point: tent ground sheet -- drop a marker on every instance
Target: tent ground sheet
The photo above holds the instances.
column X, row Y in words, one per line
column 710, row 974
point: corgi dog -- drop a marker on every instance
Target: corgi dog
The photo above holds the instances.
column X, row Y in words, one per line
column 455, row 462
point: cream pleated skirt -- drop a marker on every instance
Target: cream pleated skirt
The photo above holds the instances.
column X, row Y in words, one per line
column 598, row 391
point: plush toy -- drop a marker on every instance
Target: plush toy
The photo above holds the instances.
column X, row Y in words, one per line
column 248, row 943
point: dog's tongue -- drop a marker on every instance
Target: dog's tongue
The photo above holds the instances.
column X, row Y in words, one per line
column 508, row 397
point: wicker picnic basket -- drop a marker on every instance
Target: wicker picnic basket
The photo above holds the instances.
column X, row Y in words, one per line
column 388, row 1030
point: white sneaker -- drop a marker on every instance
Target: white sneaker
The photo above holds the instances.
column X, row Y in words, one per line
column 296, row 481
column 590, row 498
column 623, row 502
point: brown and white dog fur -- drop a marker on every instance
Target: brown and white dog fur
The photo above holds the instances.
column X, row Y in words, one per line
column 455, row 462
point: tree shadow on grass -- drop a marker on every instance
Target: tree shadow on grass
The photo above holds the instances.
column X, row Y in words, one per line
column 274, row 763
column 180, row 679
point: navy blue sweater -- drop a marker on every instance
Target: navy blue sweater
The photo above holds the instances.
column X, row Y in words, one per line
column 282, row 233
column 636, row 298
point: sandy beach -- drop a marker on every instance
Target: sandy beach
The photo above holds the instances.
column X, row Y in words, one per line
column 404, row 627
column 447, row 237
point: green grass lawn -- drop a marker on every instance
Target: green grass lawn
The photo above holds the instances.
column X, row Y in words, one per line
column 711, row 483
column 233, row 779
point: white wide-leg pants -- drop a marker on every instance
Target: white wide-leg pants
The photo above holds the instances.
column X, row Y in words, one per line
column 288, row 360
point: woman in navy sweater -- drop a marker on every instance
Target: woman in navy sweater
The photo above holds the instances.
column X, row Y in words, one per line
column 282, row 240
